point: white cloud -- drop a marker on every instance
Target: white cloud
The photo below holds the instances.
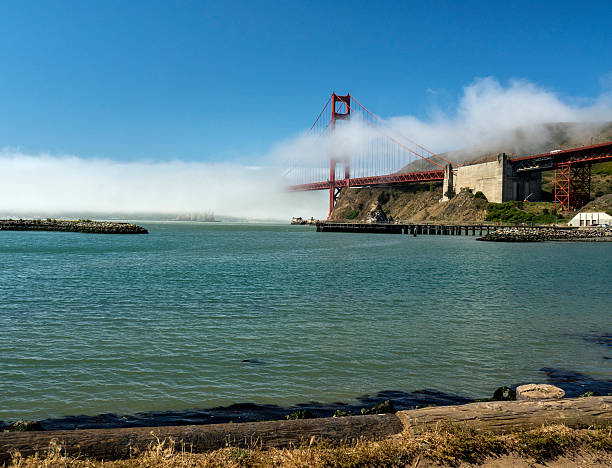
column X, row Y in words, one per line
column 489, row 113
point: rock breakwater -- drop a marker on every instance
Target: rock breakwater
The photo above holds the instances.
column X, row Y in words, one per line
column 530, row 234
column 81, row 225
column 300, row 220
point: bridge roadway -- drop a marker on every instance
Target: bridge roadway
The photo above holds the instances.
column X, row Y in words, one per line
column 389, row 179
column 547, row 161
column 416, row 229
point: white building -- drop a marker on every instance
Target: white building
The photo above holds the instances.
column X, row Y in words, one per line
column 591, row 219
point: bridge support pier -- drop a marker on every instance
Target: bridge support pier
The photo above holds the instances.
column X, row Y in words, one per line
column 572, row 186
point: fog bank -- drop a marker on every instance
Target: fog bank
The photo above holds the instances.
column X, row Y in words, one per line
column 49, row 184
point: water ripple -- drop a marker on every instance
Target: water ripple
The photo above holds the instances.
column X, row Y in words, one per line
column 110, row 324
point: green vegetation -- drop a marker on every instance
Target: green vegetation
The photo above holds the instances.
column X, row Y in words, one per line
column 381, row 408
column 544, row 445
column 464, row 444
column 479, row 194
column 601, row 181
column 352, row 214
column 602, row 168
column 513, row 212
column 507, row 212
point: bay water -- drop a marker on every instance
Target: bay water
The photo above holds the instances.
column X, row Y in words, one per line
column 199, row 315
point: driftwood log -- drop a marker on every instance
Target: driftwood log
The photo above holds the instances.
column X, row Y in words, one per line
column 508, row 416
column 110, row 444
column 497, row 417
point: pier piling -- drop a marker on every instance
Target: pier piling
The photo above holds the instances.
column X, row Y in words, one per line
column 414, row 229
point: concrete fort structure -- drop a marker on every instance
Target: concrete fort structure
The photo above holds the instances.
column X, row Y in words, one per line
column 496, row 179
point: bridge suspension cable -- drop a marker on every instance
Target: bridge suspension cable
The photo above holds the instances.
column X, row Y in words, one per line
column 342, row 154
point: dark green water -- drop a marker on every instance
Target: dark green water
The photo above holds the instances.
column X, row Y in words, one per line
column 93, row 324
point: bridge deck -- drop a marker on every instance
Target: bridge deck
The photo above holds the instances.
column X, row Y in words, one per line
column 547, row 161
column 389, row 179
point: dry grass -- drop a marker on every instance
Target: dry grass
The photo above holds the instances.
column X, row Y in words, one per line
column 450, row 445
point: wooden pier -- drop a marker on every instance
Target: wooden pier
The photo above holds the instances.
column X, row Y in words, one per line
column 411, row 229
column 427, row 229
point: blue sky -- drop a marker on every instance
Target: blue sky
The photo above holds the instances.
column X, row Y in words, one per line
column 226, row 81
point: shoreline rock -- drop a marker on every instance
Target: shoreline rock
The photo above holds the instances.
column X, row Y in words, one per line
column 539, row 392
column 299, row 220
column 528, row 234
column 81, row 225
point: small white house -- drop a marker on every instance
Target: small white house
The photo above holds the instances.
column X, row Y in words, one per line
column 591, row 219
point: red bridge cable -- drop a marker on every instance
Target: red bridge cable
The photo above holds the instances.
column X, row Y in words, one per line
column 320, row 114
column 399, row 143
column 403, row 136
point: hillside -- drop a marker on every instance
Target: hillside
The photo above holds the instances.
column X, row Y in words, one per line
column 603, row 203
column 420, row 202
column 409, row 204
column 400, row 203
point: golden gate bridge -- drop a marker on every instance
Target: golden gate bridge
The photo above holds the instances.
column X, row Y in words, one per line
column 385, row 158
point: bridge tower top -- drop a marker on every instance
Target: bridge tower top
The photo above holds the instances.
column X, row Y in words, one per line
column 341, row 108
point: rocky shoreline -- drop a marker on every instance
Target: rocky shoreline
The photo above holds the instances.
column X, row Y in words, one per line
column 300, row 221
column 528, row 234
column 81, row 225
